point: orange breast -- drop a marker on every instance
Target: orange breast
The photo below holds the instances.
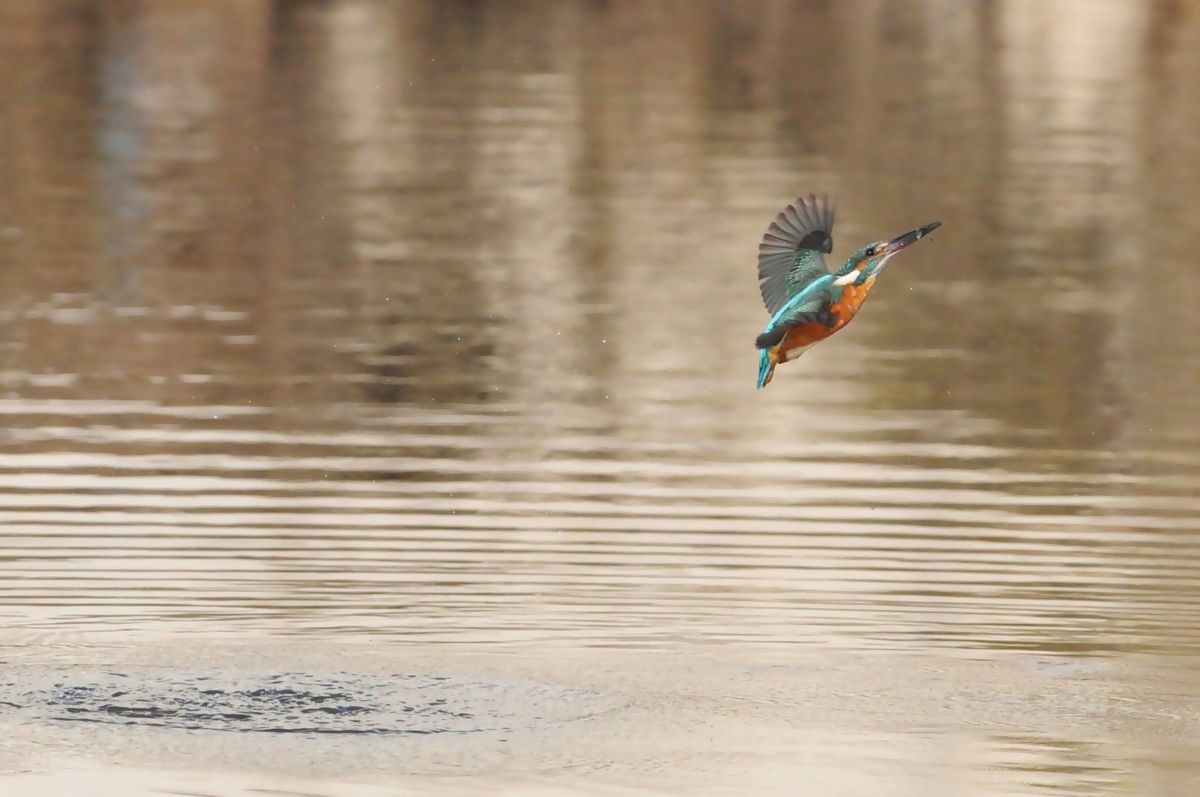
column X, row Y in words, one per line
column 852, row 299
column 803, row 335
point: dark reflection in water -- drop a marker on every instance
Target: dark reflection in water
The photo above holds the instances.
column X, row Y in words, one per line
column 431, row 322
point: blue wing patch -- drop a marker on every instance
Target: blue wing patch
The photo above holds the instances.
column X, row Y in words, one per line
column 813, row 298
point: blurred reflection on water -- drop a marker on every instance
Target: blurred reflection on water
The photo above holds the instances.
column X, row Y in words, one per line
column 431, row 322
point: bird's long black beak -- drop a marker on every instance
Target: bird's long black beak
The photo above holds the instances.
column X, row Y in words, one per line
column 912, row 236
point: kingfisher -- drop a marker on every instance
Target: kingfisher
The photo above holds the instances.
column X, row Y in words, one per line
column 807, row 303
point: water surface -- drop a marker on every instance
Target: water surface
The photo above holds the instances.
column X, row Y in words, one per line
column 348, row 343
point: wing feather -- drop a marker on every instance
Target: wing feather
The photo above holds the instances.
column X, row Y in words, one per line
column 791, row 254
column 815, row 298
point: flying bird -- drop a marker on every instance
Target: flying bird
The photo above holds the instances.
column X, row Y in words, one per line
column 807, row 303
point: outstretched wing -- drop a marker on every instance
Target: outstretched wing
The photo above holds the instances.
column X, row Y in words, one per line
column 790, row 255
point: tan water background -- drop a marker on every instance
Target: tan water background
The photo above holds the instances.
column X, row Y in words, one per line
column 372, row 338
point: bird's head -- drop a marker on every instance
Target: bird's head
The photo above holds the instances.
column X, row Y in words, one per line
column 869, row 260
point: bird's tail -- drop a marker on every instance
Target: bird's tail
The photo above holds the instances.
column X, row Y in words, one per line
column 769, row 339
column 766, row 368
